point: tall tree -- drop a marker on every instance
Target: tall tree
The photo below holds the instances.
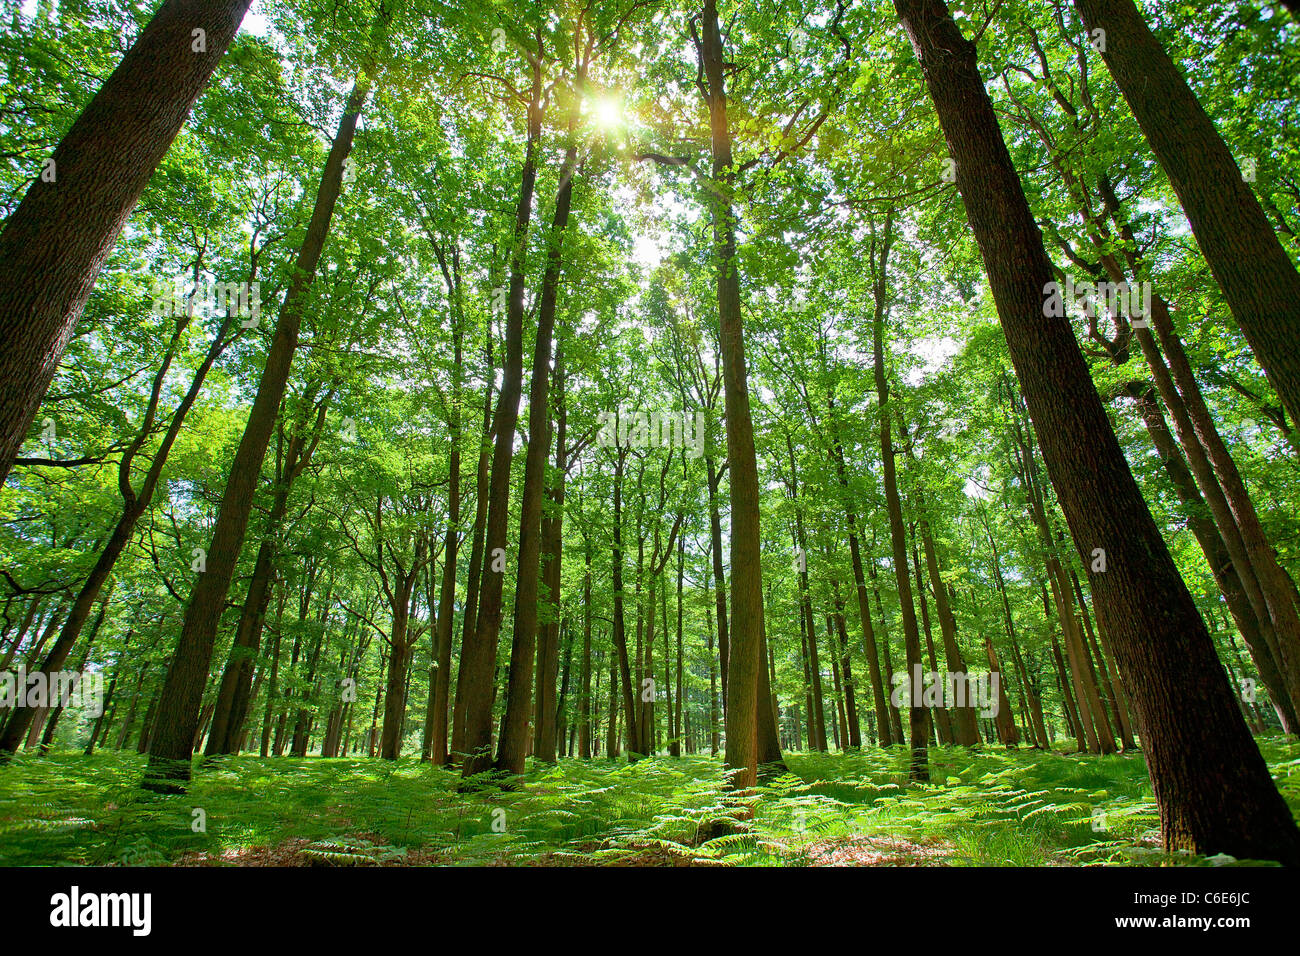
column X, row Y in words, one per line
column 1163, row 650
column 55, row 243
column 170, row 748
column 1258, row 278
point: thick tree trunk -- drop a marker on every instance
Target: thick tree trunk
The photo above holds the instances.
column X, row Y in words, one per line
column 1212, row 786
column 1258, row 278
column 57, row 240
column 523, row 650
column 746, row 623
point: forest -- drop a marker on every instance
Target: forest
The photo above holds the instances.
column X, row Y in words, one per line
column 649, row 433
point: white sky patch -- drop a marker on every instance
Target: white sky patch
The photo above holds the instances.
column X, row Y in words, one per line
column 976, row 486
column 933, row 351
column 654, row 235
column 255, row 23
column 646, row 252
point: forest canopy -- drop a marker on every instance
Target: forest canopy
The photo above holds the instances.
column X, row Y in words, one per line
column 684, row 427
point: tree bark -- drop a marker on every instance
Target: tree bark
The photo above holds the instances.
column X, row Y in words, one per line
column 57, row 240
column 1258, row 278
column 478, row 656
column 1212, row 786
column 169, row 753
column 918, row 716
column 519, row 690
column 746, row 624
column 545, row 714
column 134, row 504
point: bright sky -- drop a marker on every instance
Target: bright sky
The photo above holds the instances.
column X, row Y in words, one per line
column 254, row 22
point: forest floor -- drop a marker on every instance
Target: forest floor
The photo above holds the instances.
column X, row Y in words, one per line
column 985, row 807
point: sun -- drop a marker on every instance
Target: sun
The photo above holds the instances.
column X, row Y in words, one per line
column 608, row 113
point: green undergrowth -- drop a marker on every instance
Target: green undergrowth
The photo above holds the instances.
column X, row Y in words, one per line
column 984, row 807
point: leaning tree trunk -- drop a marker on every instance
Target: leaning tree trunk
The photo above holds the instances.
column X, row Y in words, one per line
column 1216, row 553
column 234, row 691
column 177, row 721
column 59, row 237
column 134, row 504
column 1212, row 786
column 1258, row 278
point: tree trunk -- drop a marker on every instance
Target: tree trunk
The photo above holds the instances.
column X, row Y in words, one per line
column 746, row 624
column 435, row 747
column 919, row 722
column 169, row 754
column 850, row 697
column 57, row 240
column 1216, row 553
column 1212, row 786
column 584, row 698
column 964, row 731
column 943, row 721
column 880, row 697
column 469, row 622
column 1258, row 278
column 623, row 674
column 236, row 681
column 478, row 656
column 134, row 504
column 545, row 711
